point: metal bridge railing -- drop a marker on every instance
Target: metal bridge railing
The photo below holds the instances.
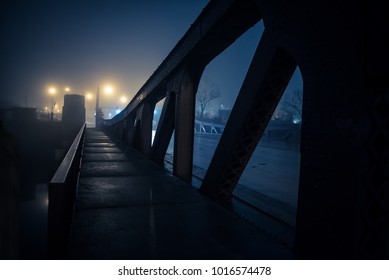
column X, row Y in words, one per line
column 62, row 194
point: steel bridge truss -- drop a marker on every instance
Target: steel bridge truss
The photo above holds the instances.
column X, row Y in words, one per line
column 340, row 49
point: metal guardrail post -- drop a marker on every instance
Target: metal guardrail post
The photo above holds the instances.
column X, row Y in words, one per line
column 62, row 194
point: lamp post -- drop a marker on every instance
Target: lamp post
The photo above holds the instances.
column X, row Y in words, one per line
column 52, row 92
column 97, row 107
column 88, row 107
column 107, row 90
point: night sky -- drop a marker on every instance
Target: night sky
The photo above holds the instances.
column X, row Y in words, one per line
column 85, row 44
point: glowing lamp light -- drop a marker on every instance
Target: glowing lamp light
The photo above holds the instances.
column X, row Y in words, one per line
column 89, row 96
column 52, row 90
column 123, row 99
column 67, row 89
column 108, row 89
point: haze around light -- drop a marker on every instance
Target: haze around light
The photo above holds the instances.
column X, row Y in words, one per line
column 86, row 44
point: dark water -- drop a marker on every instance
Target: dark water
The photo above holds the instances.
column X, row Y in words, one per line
column 33, row 224
column 41, row 147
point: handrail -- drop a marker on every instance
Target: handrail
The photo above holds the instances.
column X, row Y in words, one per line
column 62, row 194
column 64, row 169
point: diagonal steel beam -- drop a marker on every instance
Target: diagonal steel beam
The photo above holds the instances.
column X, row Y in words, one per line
column 165, row 129
column 264, row 84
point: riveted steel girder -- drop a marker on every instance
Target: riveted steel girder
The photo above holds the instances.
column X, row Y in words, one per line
column 265, row 82
column 184, row 121
column 164, row 130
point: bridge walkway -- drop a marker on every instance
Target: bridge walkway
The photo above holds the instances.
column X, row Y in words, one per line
column 129, row 208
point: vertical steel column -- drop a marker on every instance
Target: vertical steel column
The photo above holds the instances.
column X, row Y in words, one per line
column 164, row 130
column 264, row 84
column 184, row 122
column 373, row 211
column 333, row 129
column 145, row 119
column 129, row 129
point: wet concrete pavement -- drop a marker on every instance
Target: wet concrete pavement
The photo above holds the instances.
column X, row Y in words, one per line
column 129, row 208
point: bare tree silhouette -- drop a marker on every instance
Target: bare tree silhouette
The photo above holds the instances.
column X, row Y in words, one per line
column 293, row 105
column 206, row 94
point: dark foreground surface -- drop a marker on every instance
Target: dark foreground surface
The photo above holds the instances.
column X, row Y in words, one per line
column 128, row 208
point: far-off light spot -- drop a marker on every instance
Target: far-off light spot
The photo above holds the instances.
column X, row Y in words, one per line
column 123, row 99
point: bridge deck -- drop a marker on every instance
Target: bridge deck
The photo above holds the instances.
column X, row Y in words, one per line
column 128, row 208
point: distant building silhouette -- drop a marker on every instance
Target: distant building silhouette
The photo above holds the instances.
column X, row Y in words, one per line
column 73, row 111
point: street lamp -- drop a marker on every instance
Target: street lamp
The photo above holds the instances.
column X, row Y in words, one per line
column 52, row 92
column 89, row 96
column 108, row 90
column 97, row 107
column 89, row 107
